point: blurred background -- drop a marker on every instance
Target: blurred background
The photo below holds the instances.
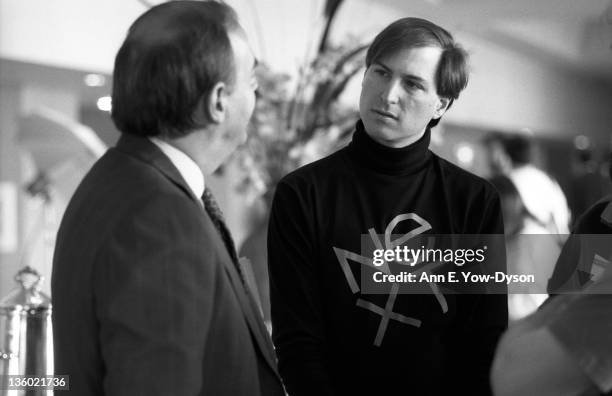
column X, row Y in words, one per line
column 540, row 68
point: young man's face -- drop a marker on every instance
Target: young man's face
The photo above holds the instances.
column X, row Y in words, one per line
column 398, row 96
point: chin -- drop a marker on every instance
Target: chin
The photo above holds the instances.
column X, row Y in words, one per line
column 382, row 132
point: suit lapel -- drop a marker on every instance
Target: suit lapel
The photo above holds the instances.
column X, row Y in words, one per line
column 248, row 305
column 143, row 149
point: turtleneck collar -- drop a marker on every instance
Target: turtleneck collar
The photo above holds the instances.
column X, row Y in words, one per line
column 388, row 160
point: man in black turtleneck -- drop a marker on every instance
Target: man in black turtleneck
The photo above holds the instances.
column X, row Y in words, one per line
column 334, row 339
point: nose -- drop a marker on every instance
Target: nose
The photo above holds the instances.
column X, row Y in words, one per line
column 390, row 92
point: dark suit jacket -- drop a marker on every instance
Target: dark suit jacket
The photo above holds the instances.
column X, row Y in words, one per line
column 146, row 300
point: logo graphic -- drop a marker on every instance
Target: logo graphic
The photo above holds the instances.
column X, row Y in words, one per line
column 386, row 313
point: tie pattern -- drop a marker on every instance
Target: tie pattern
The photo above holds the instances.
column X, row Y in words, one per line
column 215, row 214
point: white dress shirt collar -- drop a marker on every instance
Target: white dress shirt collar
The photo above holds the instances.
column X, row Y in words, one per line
column 189, row 170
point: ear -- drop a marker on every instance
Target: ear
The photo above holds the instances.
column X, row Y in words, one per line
column 441, row 107
column 215, row 103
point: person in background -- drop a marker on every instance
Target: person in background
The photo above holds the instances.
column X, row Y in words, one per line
column 334, row 339
column 542, row 197
column 587, row 252
column 530, row 250
column 148, row 295
column 589, row 183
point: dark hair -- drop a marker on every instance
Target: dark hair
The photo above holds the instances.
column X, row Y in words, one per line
column 518, row 147
column 173, row 55
column 452, row 72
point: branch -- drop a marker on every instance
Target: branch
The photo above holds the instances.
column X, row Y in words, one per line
column 331, row 8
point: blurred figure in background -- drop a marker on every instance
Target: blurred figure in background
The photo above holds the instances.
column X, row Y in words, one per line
column 589, row 183
column 542, row 197
column 530, row 249
column 587, row 252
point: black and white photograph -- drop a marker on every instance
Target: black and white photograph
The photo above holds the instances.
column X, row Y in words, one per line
column 306, row 197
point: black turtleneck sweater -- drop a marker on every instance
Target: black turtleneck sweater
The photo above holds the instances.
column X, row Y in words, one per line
column 325, row 341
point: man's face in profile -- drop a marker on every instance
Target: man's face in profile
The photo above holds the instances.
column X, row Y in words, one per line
column 399, row 98
column 241, row 99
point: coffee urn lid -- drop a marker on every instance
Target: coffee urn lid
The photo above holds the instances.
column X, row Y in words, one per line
column 27, row 295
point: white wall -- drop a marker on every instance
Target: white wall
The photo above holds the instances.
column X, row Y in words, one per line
column 509, row 90
column 86, row 34
column 76, row 34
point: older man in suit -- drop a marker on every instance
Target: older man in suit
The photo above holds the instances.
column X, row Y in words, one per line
column 149, row 298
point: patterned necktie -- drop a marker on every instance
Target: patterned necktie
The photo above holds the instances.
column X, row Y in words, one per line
column 215, row 214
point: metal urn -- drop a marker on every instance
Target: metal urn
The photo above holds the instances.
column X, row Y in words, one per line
column 26, row 341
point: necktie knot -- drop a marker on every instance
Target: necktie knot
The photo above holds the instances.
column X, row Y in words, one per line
column 212, row 208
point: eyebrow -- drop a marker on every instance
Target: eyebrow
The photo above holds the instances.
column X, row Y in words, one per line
column 403, row 75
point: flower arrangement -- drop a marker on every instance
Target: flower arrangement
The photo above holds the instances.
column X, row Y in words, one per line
column 296, row 123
